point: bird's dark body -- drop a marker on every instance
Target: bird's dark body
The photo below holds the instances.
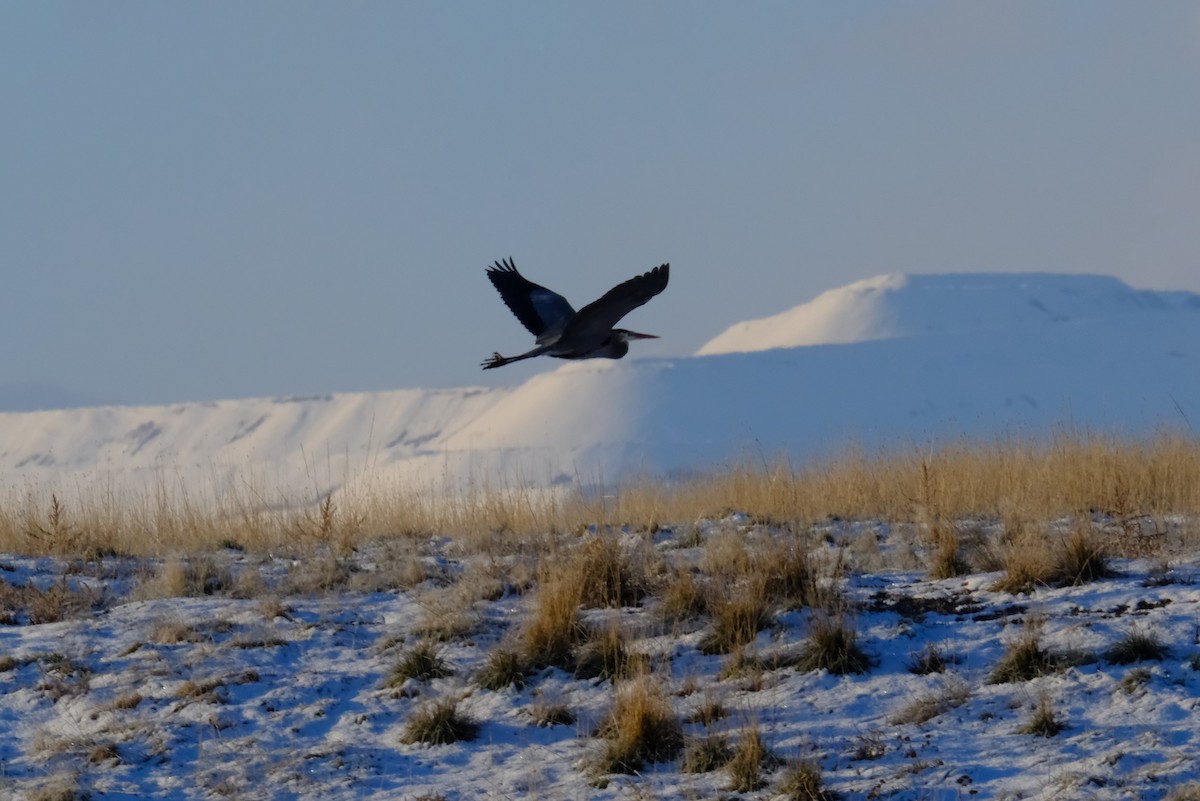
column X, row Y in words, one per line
column 561, row 331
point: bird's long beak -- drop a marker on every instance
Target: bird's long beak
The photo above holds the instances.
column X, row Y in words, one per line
column 636, row 335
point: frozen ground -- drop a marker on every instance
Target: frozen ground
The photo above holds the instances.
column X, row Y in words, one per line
column 220, row 697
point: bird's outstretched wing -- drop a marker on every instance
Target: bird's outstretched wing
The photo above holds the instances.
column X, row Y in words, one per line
column 538, row 308
column 601, row 315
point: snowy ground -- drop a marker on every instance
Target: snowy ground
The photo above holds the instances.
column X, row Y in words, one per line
column 218, row 696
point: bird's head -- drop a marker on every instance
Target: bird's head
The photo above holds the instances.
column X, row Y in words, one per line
column 625, row 335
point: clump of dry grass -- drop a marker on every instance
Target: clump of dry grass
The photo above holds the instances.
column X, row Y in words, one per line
column 422, row 662
column 128, row 701
column 803, row 781
column 929, row 659
column 173, row 632
column 706, row 754
column 1137, row 646
column 439, row 722
column 63, row 677
column 739, row 613
column 186, row 578
column 746, row 762
column 1026, row 659
column 683, row 597
column 603, row 655
column 609, row 575
column 446, row 615
column 1083, row 557
column 547, row 711
column 1187, row 792
column 58, row 787
column 832, row 644
column 29, row 604
column 1043, row 722
column 552, row 628
column 953, row 694
column 502, row 668
column 640, row 728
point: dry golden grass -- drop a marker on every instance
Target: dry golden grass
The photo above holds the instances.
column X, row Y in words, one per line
column 953, row 693
column 746, row 763
column 1043, row 722
column 739, row 613
column 1126, row 482
column 802, row 781
column 640, row 728
column 832, row 644
column 552, row 628
column 439, row 722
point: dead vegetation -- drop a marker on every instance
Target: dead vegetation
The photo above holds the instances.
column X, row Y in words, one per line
column 640, row 728
column 1127, row 487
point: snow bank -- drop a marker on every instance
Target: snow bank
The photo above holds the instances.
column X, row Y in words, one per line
column 923, row 359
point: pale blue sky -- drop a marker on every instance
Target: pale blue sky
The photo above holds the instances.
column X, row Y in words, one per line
column 204, row 200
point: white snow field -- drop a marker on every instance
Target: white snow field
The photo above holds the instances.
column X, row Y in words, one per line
column 219, row 697
column 893, row 362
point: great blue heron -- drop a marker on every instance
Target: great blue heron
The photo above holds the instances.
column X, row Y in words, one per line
column 565, row 333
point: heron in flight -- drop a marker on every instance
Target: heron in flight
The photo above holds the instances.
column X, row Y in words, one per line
column 565, row 333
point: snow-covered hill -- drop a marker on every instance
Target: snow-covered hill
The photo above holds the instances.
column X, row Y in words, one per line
column 924, row 358
column 890, row 306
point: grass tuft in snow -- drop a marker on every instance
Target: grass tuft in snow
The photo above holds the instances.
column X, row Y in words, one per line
column 186, row 578
column 739, row 613
column 1188, row 792
column 929, row 659
column 608, row 574
column 640, row 728
column 1137, row 646
column 803, row 781
column 439, row 722
column 832, row 644
column 603, row 655
column 710, row 710
column 502, row 668
column 1025, row 659
column 706, row 754
column 552, row 628
column 58, row 787
column 546, row 711
column 1043, row 722
column 954, row 693
column 1084, row 557
column 746, row 763
column 422, row 662
column 682, row 597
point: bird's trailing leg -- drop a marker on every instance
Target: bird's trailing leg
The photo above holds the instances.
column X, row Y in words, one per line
column 496, row 360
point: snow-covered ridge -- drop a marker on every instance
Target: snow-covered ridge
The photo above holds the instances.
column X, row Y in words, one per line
column 889, row 306
column 927, row 358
